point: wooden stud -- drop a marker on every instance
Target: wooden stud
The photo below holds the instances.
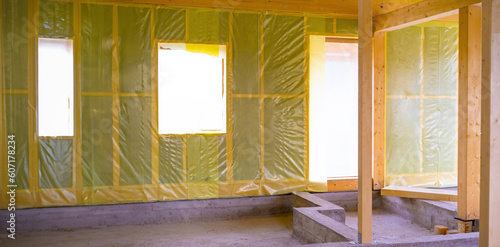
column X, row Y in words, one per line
column 469, row 115
column 261, row 57
column 490, row 125
column 3, row 127
column 365, row 88
column 32, row 99
column 378, row 111
column 77, row 138
column 420, row 193
column 418, row 13
column 116, row 100
column 229, row 100
column 155, row 142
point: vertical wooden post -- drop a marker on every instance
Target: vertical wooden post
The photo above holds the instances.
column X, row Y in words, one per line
column 490, row 127
column 365, row 27
column 378, row 110
column 32, row 100
column 77, row 138
column 469, row 116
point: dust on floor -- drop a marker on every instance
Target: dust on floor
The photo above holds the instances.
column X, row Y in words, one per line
column 265, row 231
column 388, row 226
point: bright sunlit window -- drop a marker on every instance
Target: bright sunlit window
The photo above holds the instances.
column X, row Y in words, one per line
column 191, row 88
column 55, row 87
column 333, row 108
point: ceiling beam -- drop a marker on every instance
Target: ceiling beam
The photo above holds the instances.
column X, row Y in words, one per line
column 418, row 13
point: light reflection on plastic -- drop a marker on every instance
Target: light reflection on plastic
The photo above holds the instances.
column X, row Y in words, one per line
column 55, row 87
column 191, row 90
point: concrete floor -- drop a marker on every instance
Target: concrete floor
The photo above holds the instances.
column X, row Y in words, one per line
column 264, row 231
column 388, row 226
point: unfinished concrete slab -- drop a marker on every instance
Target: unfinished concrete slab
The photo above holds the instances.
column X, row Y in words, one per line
column 388, row 226
column 260, row 231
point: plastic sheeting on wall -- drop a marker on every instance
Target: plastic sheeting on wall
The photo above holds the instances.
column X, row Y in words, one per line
column 117, row 154
column 421, row 96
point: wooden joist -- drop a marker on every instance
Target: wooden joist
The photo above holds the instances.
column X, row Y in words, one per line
column 418, row 13
column 420, row 193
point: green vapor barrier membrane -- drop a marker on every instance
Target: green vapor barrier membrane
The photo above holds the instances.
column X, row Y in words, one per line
column 246, row 45
column 246, row 139
column 55, row 163
column 320, row 25
column 97, row 141
column 347, row 26
column 263, row 152
column 134, row 48
column 440, row 138
column 15, row 44
column 56, row 19
column 421, row 96
column 440, row 60
column 284, row 54
column 96, row 43
column 207, row 25
column 283, row 134
column 170, row 24
column 171, row 160
column 206, row 162
column 404, row 61
column 135, row 140
column 16, row 112
column 403, row 134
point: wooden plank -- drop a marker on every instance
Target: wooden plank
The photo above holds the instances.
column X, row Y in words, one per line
column 418, row 13
column 469, row 115
column 378, row 111
column 365, row 85
column 420, row 193
column 490, row 127
column 342, row 184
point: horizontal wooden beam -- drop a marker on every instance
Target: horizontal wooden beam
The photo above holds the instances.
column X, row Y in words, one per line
column 331, row 7
column 418, row 13
column 342, row 184
column 420, row 193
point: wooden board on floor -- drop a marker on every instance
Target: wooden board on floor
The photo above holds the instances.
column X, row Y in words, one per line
column 420, row 193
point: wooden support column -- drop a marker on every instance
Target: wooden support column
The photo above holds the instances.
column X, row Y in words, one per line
column 365, row 102
column 469, row 116
column 378, row 110
column 489, row 234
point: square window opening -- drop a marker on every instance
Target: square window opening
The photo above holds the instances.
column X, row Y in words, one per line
column 191, row 88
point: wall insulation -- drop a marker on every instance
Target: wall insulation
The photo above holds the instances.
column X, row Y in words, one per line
column 116, row 154
column 422, row 105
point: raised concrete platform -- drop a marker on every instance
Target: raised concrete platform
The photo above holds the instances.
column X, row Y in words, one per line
column 318, row 221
